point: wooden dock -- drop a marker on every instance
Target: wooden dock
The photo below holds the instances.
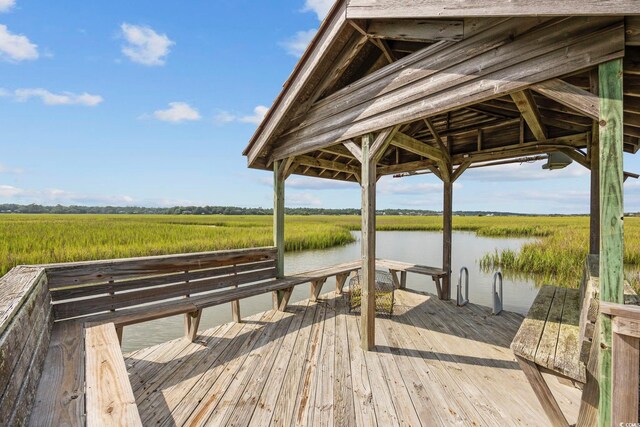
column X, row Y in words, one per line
column 434, row 364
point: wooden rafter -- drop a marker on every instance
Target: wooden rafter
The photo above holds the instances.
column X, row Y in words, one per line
column 380, row 99
column 529, row 110
column 325, row 164
column 570, row 96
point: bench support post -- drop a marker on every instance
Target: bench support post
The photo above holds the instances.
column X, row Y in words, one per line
column 191, row 324
column 611, row 218
column 316, row 287
column 543, row 393
column 340, row 279
column 235, row 311
column 403, row 280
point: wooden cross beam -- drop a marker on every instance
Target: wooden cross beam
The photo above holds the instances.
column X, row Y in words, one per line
column 529, row 110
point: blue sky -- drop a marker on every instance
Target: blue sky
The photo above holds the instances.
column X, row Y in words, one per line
column 151, row 103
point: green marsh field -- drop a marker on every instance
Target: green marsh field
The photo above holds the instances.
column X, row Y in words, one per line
column 555, row 255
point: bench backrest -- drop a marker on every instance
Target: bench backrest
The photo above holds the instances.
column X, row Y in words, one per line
column 25, row 328
column 86, row 288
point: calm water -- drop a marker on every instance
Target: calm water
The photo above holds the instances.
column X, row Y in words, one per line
column 411, row 246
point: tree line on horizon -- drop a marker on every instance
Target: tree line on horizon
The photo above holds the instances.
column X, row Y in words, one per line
column 217, row 210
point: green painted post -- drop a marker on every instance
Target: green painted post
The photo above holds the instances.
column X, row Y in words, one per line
column 611, row 218
column 278, row 225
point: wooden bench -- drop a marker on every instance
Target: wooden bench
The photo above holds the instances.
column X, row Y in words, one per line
column 94, row 301
column 559, row 336
column 405, row 267
column 109, row 396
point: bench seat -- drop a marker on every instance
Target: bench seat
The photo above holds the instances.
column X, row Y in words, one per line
column 550, row 334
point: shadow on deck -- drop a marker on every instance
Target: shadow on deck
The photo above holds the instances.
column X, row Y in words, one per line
column 435, row 364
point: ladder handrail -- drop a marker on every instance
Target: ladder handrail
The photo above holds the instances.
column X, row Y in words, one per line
column 497, row 298
column 460, row 301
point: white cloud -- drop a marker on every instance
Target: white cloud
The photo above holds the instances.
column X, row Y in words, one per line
column 6, row 169
column 297, row 44
column 144, row 45
column 7, row 5
column 16, row 48
column 54, row 195
column 223, row 117
column 177, row 112
column 319, row 7
column 258, row 114
column 307, row 183
column 64, row 98
column 303, row 199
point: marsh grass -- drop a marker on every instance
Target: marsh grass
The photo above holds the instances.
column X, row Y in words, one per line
column 555, row 256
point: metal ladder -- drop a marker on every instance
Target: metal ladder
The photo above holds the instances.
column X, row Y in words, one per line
column 460, row 300
column 497, row 296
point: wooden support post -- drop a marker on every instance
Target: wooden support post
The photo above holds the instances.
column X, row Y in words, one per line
column 543, row 393
column 368, row 307
column 611, row 218
column 403, row 280
column 340, row 279
column 594, row 158
column 447, row 229
column 191, row 324
column 278, row 225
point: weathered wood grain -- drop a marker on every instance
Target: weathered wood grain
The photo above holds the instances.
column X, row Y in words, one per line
column 425, row 30
column 526, row 341
column 116, row 301
column 507, row 69
column 574, row 97
column 369, row 179
column 86, row 272
column 16, row 288
column 611, row 217
column 377, row 9
column 25, row 327
column 110, row 400
column 625, row 374
column 93, row 289
column 60, row 397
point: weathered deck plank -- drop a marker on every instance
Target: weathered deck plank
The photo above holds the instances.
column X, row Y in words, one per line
column 435, row 364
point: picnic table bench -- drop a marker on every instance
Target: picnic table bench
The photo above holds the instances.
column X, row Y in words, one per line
column 560, row 336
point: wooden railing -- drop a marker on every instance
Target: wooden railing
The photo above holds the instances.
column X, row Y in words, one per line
column 25, row 330
column 88, row 288
column 625, row 321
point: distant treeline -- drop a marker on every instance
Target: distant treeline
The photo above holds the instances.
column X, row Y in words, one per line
column 218, row 210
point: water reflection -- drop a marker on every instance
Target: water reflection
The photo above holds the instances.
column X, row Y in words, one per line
column 418, row 247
